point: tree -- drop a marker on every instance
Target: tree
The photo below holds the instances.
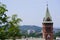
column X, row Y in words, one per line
column 8, row 28
column 14, row 30
column 57, row 35
column 3, row 21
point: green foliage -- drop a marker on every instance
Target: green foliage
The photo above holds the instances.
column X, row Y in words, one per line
column 2, row 8
column 32, row 35
column 3, row 21
column 14, row 30
column 8, row 28
column 56, row 35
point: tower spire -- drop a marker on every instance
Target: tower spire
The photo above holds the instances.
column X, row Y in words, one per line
column 48, row 14
column 47, row 17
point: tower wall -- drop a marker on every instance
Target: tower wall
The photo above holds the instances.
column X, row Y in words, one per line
column 48, row 31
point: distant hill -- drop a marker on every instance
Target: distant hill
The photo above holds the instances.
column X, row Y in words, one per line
column 24, row 28
column 56, row 30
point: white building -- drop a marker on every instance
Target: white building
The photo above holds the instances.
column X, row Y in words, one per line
column 30, row 31
column 57, row 38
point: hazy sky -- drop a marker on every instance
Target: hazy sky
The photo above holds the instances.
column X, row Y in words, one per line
column 32, row 12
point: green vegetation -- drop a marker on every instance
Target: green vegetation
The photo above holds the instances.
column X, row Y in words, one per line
column 9, row 27
column 36, row 35
column 56, row 35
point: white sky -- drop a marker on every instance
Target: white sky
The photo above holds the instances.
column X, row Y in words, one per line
column 32, row 12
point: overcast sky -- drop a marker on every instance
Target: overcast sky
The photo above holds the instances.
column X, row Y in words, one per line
column 32, row 12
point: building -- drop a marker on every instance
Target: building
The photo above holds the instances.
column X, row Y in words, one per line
column 47, row 26
column 57, row 38
column 30, row 31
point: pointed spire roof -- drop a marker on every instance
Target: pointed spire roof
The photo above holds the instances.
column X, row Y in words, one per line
column 47, row 17
column 47, row 14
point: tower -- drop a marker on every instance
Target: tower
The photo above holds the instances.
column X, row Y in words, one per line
column 47, row 26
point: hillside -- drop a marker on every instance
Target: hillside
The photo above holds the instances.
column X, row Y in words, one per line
column 30, row 27
column 24, row 28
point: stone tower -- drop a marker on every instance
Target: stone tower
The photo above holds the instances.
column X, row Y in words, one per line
column 47, row 26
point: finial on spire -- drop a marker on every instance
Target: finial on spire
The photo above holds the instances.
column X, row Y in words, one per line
column 47, row 5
